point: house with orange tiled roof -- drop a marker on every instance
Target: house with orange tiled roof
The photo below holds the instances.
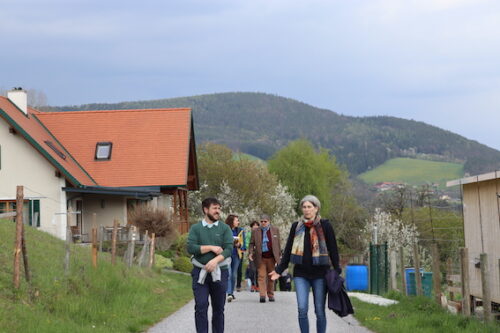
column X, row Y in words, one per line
column 94, row 163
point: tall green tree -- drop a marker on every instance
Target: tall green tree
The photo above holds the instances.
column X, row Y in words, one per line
column 245, row 187
column 306, row 171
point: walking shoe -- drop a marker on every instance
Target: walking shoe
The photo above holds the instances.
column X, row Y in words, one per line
column 271, row 299
column 238, row 289
column 230, row 298
column 262, row 299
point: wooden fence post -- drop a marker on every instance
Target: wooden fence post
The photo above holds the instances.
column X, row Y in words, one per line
column 394, row 269
column 131, row 246
column 485, row 281
column 402, row 269
column 145, row 249
column 19, row 233
column 69, row 237
column 464, row 270
column 152, row 250
column 101, row 237
column 94, row 247
column 436, row 275
column 113, row 242
column 418, row 277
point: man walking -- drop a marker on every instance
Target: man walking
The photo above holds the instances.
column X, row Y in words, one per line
column 264, row 249
column 211, row 244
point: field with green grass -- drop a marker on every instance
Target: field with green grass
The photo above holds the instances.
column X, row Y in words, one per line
column 415, row 315
column 107, row 299
column 243, row 156
column 414, row 172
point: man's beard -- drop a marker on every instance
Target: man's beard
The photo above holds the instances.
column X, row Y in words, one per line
column 212, row 217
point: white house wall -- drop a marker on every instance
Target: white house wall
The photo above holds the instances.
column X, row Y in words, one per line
column 106, row 207
column 22, row 164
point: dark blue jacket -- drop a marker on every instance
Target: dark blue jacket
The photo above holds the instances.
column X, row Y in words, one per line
column 338, row 300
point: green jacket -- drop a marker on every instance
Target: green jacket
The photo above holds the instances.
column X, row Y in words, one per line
column 219, row 235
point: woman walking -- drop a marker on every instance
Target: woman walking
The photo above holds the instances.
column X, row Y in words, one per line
column 234, row 222
column 311, row 246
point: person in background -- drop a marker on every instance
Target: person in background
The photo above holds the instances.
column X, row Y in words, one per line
column 265, row 250
column 242, row 250
column 234, row 224
column 311, row 246
column 211, row 244
column 251, row 271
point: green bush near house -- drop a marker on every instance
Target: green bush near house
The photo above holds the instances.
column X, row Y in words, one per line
column 162, row 262
column 183, row 264
column 180, row 245
column 167, row 253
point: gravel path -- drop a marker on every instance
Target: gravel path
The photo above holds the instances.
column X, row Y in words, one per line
column 246, row 314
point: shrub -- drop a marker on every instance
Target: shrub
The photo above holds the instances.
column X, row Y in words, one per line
column 152, row 219
column 162, row 262
column 183, row 264
column 167, row 253
column 180, row 245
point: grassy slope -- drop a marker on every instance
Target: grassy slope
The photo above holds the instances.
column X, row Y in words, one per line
column 415, row 315
column 413, row 171
column 106, row 299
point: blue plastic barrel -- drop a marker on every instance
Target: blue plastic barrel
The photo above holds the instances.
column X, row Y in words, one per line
column 411, row 288
column 356, row 277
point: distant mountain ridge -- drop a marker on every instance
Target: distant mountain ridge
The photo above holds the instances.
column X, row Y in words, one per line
column 259, row 124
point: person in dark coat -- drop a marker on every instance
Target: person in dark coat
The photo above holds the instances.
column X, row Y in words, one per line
column 311, row 246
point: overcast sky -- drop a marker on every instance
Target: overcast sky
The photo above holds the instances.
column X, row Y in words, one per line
column 436, row 61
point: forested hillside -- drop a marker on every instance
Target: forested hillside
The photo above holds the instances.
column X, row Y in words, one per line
column 260, row 124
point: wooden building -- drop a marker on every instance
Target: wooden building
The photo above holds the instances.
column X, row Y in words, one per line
column 481, row 207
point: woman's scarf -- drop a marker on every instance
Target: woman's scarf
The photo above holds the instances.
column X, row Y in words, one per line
column 319, row 250
column 265, row 239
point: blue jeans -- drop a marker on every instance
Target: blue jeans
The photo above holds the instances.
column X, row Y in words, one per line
column 233, row 272
column 302, row 287
column 217, row 293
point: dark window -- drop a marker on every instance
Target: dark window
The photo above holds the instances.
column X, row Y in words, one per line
column 103, row 150
column 55, row 149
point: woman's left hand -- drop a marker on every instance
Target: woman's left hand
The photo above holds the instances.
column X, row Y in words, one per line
column 274, row 276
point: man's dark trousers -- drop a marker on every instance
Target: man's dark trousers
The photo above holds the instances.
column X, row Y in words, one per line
column 217, row 293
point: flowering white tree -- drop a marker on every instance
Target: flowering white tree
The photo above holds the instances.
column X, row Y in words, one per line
column 391, row 230
column 280, row 206
column 397, row 234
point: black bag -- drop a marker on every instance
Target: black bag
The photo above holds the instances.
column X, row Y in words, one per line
column 338, row 300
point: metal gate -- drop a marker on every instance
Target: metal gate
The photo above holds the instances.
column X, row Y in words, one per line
column 379, row 269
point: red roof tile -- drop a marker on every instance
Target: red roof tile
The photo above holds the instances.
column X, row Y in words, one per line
column 150, row 147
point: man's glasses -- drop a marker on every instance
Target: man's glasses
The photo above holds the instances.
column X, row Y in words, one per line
column 264, row 221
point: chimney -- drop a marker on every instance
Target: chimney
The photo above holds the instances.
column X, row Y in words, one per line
column 19, row 97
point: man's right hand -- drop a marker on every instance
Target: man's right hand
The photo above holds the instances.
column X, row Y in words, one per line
column 217, row 249
column 250, row 256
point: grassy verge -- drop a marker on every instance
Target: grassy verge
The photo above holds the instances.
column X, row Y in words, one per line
column 416, row 314
column 106, row 299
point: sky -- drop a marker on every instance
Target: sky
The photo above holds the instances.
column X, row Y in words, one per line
column 436, row 61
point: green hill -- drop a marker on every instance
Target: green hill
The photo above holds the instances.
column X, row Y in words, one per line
column 259, row 124
column 413, row 171
column 106, row 299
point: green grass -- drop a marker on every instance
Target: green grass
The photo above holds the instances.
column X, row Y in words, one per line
column 106, row 299
column 416, row 314
column 244, row 156
column 414, row 172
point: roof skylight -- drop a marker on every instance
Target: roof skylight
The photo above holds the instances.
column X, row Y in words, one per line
column 103, row 150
